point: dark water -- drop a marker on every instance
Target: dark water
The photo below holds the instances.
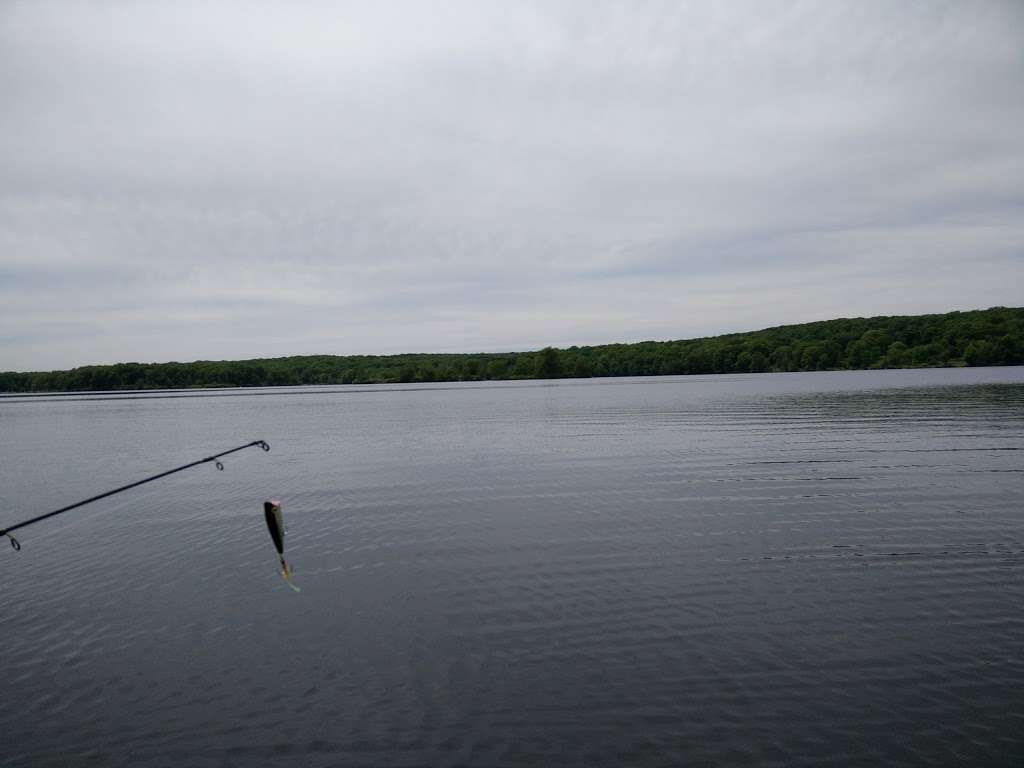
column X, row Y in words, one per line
column 782, row 569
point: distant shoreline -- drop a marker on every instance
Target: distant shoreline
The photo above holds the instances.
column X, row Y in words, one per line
column 956, row 339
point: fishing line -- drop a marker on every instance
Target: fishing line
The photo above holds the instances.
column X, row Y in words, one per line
column 215, row 458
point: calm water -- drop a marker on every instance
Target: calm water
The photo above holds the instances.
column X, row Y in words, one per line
column 779, row 569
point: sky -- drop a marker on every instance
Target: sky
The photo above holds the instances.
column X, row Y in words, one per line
column 217, row 180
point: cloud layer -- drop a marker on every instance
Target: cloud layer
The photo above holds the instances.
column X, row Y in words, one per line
column 183, row 181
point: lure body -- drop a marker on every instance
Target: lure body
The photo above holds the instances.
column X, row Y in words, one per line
column 275, row 524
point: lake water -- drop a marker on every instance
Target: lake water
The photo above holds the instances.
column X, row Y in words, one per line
column 773, row 569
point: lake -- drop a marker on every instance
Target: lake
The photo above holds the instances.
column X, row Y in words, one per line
column 774, row 569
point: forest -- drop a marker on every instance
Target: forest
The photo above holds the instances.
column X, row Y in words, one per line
column 976, row 338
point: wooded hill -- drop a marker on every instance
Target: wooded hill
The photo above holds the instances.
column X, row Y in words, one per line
column 983, row 337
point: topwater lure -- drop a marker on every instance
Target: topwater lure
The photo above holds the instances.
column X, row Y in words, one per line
column 275, row 523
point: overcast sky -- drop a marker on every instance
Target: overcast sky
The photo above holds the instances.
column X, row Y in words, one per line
column 213, row 180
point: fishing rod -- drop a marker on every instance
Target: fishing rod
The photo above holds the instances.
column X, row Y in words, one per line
column 215, row 458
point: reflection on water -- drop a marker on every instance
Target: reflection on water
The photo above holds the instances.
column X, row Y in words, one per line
column 787, row 569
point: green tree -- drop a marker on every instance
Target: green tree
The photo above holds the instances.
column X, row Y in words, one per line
column 758, row 361
column 868, row 349
column 897, row 355
column 581, row 368
column 926, row 354
column 984, row 337
column 980, row 352
column 549, row 364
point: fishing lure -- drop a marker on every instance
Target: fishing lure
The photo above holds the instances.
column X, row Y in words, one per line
column 275, row 522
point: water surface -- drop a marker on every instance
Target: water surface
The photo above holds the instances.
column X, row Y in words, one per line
column 778, row 569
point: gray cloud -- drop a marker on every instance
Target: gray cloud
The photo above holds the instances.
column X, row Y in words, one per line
column 183, row 181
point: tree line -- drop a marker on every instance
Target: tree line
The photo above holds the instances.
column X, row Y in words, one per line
column 983, row 337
